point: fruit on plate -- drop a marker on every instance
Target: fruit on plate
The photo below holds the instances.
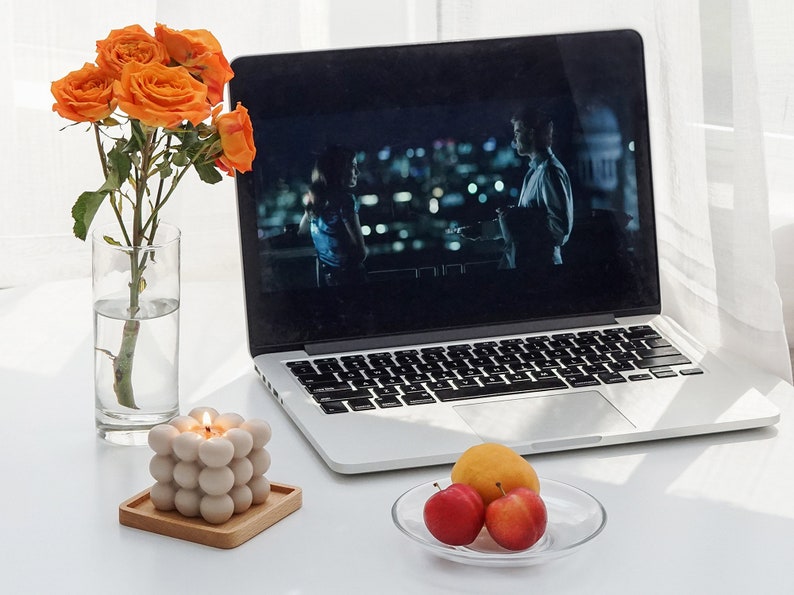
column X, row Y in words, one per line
column 516, row 520
column 483, row 465
column 455, row 515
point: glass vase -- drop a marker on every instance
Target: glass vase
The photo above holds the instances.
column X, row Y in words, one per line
column 136, row 333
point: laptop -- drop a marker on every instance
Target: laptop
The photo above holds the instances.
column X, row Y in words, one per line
column 438, row 340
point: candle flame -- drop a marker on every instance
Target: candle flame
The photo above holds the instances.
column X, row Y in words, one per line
column 206, row 420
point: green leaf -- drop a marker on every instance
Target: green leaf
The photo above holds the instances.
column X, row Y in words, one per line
column 137, row 138
column 84, row 209
column 180, row 159
column 208, row 173
column 111, row 241
column 165, row 169
column 119, row 166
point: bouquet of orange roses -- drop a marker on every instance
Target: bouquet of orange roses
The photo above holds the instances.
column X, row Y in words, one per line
column 153, row 103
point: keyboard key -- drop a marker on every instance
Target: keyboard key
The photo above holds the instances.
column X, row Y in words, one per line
column 416, row 377
column 444, row 375
column 388, row 402
column 622, row 366
column 635, row 377
column 581, row 381
column 385, row 391
column 327, row 387
column 657, row 362
column 469, row 373
column 656, row 352
column 341, row 395
column 544, row 374
column 356, row 375
column 690, row 371
column 317, row 379
column 360, row 404
column 334, row 407
column 356, row 365
column 301, row 368
column 418, row 398
column 663, row 373
column 611, row 378
column 440, row 385
column 516, row 376
column 567, row 372
column 526, row 386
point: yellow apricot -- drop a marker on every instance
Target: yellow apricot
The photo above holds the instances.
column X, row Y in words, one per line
column 483, row 465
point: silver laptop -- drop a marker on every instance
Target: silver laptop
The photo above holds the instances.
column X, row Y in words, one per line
column 451, row 243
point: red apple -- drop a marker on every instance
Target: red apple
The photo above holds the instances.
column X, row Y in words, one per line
column 455, row 515
column 517, row 520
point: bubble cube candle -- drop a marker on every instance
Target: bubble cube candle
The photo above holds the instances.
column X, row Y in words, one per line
column 209, row 464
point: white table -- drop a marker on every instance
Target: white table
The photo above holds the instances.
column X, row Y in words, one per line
column 712, row 514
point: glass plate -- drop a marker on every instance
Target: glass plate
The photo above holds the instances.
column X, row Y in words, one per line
column 574, row 518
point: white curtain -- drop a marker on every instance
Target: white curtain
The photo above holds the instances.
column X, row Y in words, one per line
column 721, row 82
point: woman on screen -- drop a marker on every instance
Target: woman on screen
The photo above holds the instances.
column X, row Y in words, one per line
column 332, row 218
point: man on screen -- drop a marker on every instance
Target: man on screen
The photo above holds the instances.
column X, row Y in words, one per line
column 537, row 227
column 539, row 224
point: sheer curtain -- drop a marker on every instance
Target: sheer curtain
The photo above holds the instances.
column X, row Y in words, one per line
column 721, row 77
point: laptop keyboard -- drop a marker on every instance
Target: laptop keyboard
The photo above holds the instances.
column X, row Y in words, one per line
column 459, row 371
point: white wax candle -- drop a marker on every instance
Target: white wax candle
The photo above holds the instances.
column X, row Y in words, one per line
column 162, row 468
column 260, row 431
column 197, row 413
column 260, row 459
column 241, row 439
column 216, row 452
column 217, row 509
column 227, row 421
column 242, row 496
column 243, row 470
column 161, row 438
column 209, row 464
column 260, row 489
column 187, row 502
column 185, row 423
column 216, row 480
column 162, row 496
column 186, row 474
column 186, row 446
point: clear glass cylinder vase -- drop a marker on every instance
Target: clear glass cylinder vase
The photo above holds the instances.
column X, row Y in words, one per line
column 136, row 332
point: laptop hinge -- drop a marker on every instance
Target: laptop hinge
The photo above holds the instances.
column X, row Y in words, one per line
column 463, row 334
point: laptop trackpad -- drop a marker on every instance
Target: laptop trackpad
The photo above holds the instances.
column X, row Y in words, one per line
column 581, row 417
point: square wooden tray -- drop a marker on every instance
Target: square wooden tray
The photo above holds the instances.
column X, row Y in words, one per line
column 139, row 512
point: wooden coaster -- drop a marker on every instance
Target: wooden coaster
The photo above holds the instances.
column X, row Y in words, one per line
column 139, row 512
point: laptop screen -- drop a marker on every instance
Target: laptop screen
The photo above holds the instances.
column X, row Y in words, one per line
column 437, row 187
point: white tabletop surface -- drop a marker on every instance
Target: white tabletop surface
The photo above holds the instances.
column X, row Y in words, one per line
column 713, row 514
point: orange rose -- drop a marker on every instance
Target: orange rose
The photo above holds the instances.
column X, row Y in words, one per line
column 130, row 44
column 84, row 95
column 161, row 96
column 200, row 52
column 237, row 139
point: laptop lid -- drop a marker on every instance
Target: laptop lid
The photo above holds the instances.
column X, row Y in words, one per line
column 430, row 125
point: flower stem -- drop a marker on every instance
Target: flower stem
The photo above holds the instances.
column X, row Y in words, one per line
column 122, row 365
column 124, row 359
